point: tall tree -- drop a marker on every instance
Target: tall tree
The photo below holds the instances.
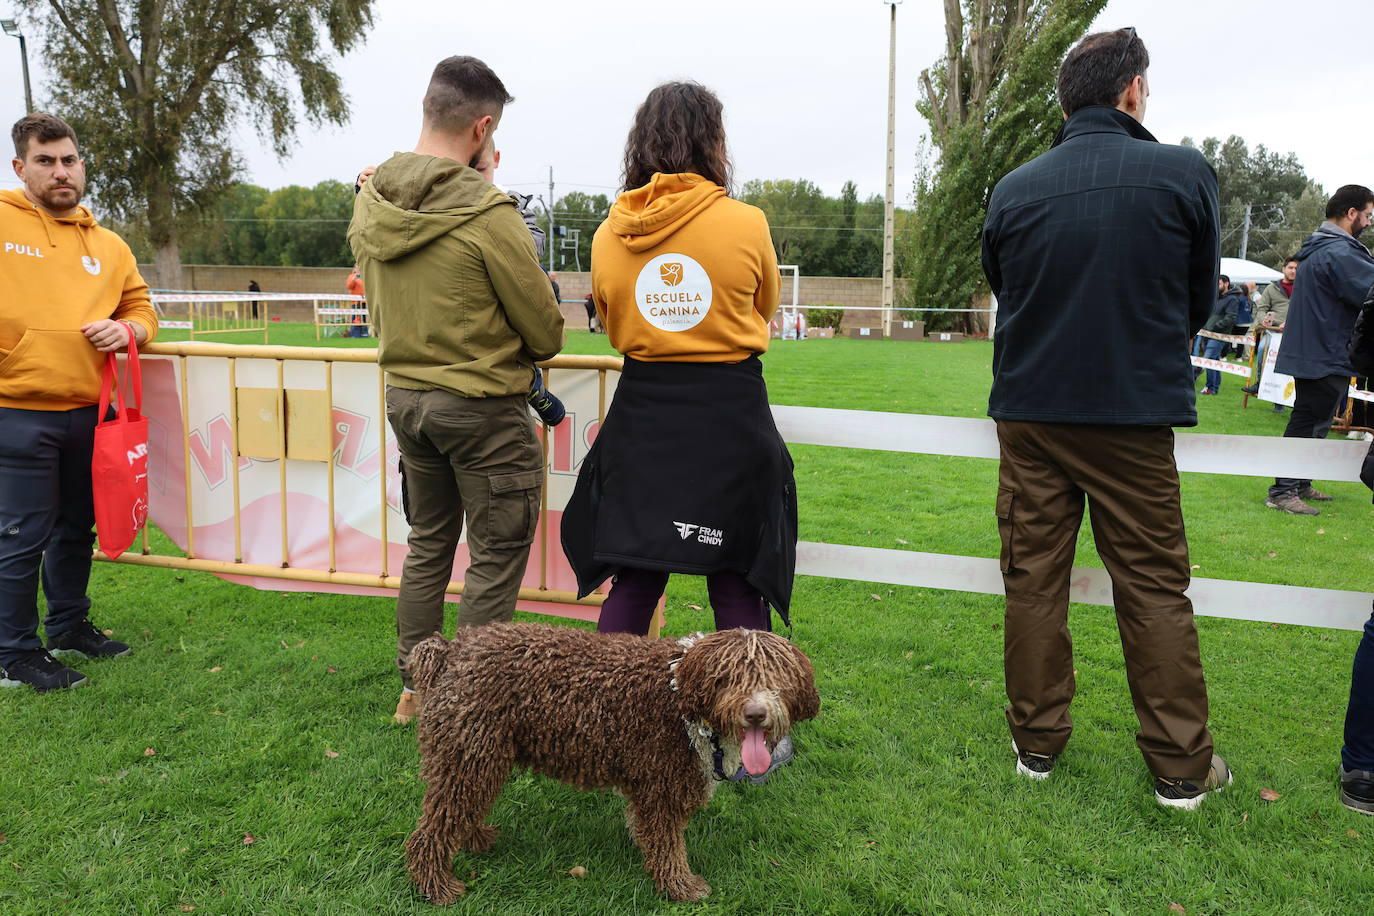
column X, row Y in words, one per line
column 1283, row 204
column 582, row 212
column 152, row 86
column 991, row 106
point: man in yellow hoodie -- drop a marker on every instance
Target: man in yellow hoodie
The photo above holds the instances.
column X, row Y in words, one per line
column 69, row 291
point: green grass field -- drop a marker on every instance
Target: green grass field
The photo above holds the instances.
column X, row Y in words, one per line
column 256, row 715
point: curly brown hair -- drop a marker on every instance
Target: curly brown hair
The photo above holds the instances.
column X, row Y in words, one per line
column 679, row 128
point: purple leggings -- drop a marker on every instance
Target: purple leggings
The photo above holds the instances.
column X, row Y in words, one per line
column 629, row 608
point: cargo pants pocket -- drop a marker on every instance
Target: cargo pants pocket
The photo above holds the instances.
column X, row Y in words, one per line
column 513, row 508
column 1006, row 501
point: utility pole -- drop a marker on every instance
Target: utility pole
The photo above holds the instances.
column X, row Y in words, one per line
column 11, row 28
column 1245, row 233
column 889, row 293
column 549, row 243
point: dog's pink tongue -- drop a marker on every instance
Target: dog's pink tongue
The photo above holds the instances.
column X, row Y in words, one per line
column 754, row 752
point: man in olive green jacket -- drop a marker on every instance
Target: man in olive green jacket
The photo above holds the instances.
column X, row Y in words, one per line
column 462, row 311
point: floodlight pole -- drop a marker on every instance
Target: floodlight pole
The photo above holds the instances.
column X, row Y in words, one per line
column 12, row 29
column 550, row 241
column 889, row 293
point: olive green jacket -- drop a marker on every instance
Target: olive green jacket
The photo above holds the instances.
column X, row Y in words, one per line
column 1274, row 301
column 456, row 294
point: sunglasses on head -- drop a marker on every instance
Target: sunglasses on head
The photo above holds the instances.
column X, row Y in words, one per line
column 1130, row 40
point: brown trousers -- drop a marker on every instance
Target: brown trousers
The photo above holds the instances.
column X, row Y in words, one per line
column 473, row 458
column 1130, row 480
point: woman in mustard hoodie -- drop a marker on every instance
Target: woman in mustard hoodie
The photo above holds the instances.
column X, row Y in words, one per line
column 688, row 474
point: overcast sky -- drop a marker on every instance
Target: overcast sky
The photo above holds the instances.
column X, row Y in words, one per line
column 804, row 83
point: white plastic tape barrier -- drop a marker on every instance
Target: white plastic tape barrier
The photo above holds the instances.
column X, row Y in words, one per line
column 1241, row 340
column 1313, row 607
column 248, row 297
column 1244, row 456
column 1221, row 366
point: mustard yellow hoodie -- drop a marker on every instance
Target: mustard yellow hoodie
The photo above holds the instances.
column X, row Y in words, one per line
column 55, row 276
column 681, row 272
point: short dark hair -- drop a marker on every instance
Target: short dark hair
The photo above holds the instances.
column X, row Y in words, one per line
column 679, row 128
column 1100, row 68
column 1291, row 259
column 1224, row 279
column 40, row 126
column 461, row 90
column 1348, row 197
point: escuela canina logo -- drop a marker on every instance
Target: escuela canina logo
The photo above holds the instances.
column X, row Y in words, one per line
column 671, row 273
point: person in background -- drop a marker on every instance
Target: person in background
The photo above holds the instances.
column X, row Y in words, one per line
column 70, row 292
column 1107, row 206
column 1337, row 271
column 254, row 288
column 358, row 290
column 590, row 304
column 462, row 312
column 1221, row 321
column 1272, row 312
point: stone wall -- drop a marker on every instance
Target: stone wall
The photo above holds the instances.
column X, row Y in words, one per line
column 814, row 292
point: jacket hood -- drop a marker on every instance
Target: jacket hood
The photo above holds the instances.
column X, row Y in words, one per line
column 413, row 200
column 1099, row 119
column 1328, row 234
column 647, row 216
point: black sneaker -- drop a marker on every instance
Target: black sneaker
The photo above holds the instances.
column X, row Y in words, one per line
column 1251, row 389
column 1182, row 793
column 548, row 406
column 87, row 641
column 1357, row 790
column 1033, row 765
column 42, row 672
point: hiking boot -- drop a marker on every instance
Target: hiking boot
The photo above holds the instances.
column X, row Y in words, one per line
column 407, row 709
column 1292, row 504
column 1033, row 765
column 1357, row 790
column 1183, row 793
column 1311, row 495
column 42, row 672
column 1250, row 389
column 87, row 641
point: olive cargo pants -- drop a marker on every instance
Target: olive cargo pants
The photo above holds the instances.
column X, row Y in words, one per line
column 463, row 458
column 1130, row 481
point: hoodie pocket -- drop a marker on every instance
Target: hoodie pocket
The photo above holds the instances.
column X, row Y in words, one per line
column 51, row 366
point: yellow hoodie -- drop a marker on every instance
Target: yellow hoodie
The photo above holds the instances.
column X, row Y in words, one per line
column 681, row 272
column 55, row 276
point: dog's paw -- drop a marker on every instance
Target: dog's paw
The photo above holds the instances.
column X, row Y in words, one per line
column 481, row 839
column 687, row 888
column 446, row 892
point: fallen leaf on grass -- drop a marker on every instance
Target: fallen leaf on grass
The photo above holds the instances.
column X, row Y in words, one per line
column 1321, row 531
column 1195, row 566
column 1272, row 554
column 775, row 863
column 695, row 607
column 332, row 670
column 1175, row 908
column 1270, row 795
column 908, row 654
column 149, row 752
column 1244, row 816
column 331, row 754
column 577, row 871
column 1354, row 833
column 217, row 668
column 186, row 908
column 875, row 596
column 145, row 633
column 299, row 644
column 108, row 632
column 903, row 541
column 2, row 837
column 285, row 646
column 248, row 839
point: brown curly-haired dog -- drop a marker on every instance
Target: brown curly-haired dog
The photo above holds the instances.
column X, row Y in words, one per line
column 598, row 711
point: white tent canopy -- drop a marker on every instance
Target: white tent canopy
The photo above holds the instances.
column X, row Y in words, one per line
column 1239, row 271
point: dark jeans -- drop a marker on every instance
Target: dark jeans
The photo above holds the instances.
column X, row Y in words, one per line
column 1314, row 407
column 1208, row 348
column 46, row 522
column 629, row 608
column 1127, row 475
column 463, row 459
column 1358, row 753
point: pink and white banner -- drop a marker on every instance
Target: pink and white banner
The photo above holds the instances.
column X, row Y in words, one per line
column 365, row 460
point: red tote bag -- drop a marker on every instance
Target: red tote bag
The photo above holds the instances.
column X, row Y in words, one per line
column 119, row 464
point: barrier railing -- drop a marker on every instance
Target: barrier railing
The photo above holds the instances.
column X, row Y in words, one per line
column 916, row 434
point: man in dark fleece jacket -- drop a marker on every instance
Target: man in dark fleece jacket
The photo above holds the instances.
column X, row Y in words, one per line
column 462, row 312
column 1328, row 291
column 1079, row 242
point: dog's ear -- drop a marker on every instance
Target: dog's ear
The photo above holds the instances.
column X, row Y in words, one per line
column 696, row 685
column 427, row 661
column 806, row 701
